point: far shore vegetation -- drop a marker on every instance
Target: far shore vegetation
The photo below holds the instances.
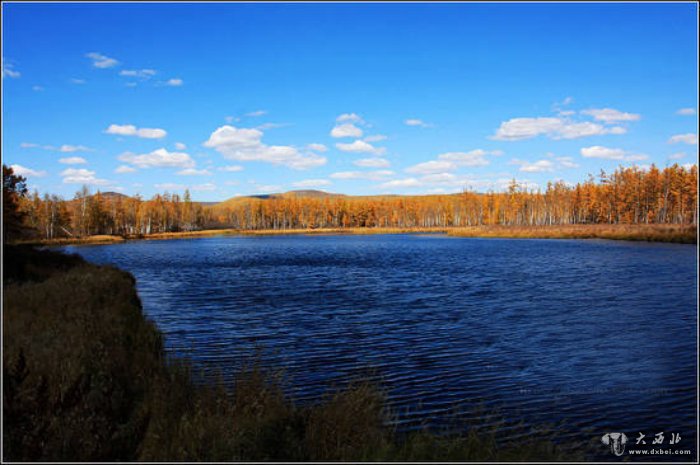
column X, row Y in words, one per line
column 653, row 233
column 629, row 204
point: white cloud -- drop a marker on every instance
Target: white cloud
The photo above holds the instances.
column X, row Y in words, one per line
column 545, row 165
column 688, row 166
column 180, row 146
column 368, row 175
column 312, row 183
column 158, row 159
column 372, row 163
column 317, row 147
column 131, row 130
column 539, row 166
column 433, row 166
column 231, row 168
column 401, row 183
column 246, row 145
column 676, row 156
column 440, row 178
column 525, row 128
column 442, row 182
column 265, row 126
column 567, row 162
column 375, row 138
column 256, row 113
column 346, row 130
column 37, row 88
column 610, row 115
column 266, row 188
column 416, row 122
column 124, row 169
column 233, row 138
column 174, row 82
column 472, row 158
column 72, row 160
column 73, row 148
column 360, row 146
column 24, row 171
column 690, row 139
column 63, row 148
column 567, row 101
column 450, row 161
column 9, row 70
column 557, row 107
column 606, row 153
column 170, row 186
column 208, row 186
column 686, row 112
column 555, row 128
column 352, row 117
column 585, row 129
column 77, row 81
column 101, row 61
column 617, row 130
column 81, row 176
column 194, row 172
column 138, row 73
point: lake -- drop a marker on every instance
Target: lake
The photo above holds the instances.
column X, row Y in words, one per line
column 595, row 336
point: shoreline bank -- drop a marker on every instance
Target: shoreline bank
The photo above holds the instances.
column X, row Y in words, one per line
column 650, row 233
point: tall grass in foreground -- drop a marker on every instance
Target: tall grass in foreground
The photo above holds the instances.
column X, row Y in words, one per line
column 85, row 379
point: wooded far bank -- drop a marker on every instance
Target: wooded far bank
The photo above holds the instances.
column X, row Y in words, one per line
column 631, row 196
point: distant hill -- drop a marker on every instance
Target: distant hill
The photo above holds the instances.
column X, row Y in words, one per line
column 306, row 193
column 314, row 194
column 111, row 195
column 310, row 193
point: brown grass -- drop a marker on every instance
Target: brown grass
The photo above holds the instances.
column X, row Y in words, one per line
column 652, row 233
column 98, row 239
column 684, row 234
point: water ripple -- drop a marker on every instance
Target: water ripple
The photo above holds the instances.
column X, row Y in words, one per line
column 599, row 335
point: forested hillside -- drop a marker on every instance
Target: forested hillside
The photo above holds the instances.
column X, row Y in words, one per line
column 626, row 196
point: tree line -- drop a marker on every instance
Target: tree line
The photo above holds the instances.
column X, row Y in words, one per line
column 90, row 214
column 626, row 196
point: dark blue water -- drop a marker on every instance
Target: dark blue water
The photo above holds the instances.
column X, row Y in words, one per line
column 595, row 336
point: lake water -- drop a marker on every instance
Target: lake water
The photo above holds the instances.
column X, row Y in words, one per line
column 598, row 336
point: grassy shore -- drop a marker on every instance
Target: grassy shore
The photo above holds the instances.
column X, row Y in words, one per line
column 642, row 232
column 86, row 379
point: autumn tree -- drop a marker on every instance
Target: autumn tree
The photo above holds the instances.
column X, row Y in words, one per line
column 14, row 189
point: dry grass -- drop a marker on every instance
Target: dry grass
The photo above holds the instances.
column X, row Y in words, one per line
column 652, row 233
column 98, row 239
column 684, row 234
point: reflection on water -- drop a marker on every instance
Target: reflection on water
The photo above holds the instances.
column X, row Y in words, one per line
column 598, row 334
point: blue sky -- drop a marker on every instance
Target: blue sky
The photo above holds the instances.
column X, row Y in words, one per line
column 237, row 99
